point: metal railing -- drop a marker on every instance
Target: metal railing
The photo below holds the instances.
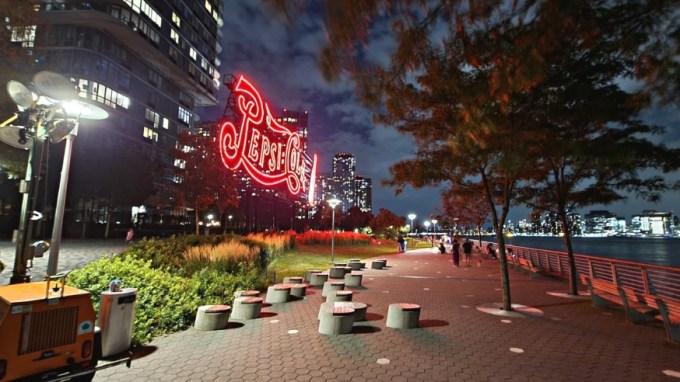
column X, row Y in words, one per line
column 657, row 280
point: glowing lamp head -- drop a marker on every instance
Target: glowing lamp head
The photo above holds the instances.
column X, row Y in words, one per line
column 426, row 224
column 333, row 202
column 411, row 216
column 434, row 221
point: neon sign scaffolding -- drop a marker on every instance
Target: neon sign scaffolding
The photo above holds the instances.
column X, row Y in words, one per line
column 269, row 152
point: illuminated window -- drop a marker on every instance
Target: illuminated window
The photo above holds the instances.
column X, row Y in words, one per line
column 141, row 6
column 208, row 6
column 174, row 36
column 166, row 123
column 192, row 53
column 184, row 115
column 180, row 163
column 102, row 94
column 176, row 19
column 24, row 35
column 153, row 117
column 150, row 134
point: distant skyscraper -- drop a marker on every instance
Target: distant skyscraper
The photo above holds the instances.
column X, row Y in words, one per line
column 297, row 121
column 344, row 172
column 363, row 191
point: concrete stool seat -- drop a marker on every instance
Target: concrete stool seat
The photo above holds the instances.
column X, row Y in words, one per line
column 212, row 317
column 298, row 290
column 355, row 266
column 336, row 320
column 247, row 293
column 339, row 264
column 330, row 286
column 359, row 308
column 339, row 295
column 353, row 261
column 403, row 316
column 353, row 279
column 292, row 280
column 246, row 308
column 318, row 279
column 336, row 272
column 308, row 274
column 376, row 264
column 278, row 293
column 383, row 261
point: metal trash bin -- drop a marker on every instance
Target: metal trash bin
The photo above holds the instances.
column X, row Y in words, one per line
column 116, row 316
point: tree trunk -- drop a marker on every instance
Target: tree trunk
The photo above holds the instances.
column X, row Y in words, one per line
column 505, row 276
column 196, row 220
column 566, row 237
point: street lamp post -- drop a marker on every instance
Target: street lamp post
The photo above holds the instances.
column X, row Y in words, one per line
column 434, row 229
column 333, row 203
column 411, row 217
column 427, row 227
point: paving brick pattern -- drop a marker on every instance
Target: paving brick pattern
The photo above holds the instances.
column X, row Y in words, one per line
column 572, row 341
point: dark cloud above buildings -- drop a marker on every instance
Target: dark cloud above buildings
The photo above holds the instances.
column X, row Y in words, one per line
column 281, row 60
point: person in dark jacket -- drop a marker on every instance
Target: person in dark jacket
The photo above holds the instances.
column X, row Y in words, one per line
column 467, row 250
column 456, row 252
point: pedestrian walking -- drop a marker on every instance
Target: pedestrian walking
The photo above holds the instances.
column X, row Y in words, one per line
column 456, row 252
column 401, row 244
column 467, row 250
column 130, row 235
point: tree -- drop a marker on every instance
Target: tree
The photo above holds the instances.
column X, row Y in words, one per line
column 202, row 180
column 387, row 224
column 468, row 208
column 355, row 218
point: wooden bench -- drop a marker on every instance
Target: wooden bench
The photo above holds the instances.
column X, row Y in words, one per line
column 669, row 313
column 605, row 293
column 527, row 266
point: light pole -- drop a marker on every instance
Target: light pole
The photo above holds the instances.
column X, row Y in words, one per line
column 333, row 203
column 427, row 223
column 411, row 217
column 434, row 229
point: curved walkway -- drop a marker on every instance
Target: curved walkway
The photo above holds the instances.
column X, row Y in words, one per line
column 570, row 341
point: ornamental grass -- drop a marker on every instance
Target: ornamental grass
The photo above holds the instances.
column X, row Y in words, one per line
column 324, row 238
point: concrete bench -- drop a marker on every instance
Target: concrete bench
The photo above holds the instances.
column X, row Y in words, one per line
column 330, row 286
column 292, row 280
column 356, row 266
column 308, row 274
column 247, row 293
column 318, row 279
column 353, row 279
column 359, row 308
column 278, row 293
column 212, row 317
column 337, row 272
column 336, row 320
column 246, row 308
column 298, row 290
column 339, row 295
column 403, row 316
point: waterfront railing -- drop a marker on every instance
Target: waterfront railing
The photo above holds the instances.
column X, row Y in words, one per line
column 647, row 279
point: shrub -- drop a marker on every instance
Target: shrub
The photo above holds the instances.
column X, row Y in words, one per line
column 217, row 287
column 324, row 238
column 165, row 303
column 166, row 254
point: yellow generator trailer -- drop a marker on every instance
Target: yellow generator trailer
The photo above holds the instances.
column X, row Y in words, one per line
column 47, row 333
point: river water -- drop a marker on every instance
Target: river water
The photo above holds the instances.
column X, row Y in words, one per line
column 659, row 251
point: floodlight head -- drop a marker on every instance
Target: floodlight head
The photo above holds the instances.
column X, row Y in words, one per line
column 60, row 129
column 333, row 202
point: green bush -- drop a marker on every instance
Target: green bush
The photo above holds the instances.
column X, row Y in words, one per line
column 216, row 287
column 166, row 303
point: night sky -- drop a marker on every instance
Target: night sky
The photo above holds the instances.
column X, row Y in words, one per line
column 281, row 60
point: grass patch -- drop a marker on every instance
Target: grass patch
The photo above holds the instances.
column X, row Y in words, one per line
column 305, row 257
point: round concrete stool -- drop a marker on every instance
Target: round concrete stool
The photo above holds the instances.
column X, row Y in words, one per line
column 355, row 266
column 298, row 290
column 339, row 264
column 353, row 279
column 247, row 293
column 336, row 272
column 246, row 308
column 383, row 261
column 277, row 294
column 330, row 286
column 318, row 279
column 212, row 317
column 336, row 320
column 376, row 264
column 403, row 316
column 339, row 295
column 308, row 274
column 359, row 308
column 353, row 261
column 292, row 280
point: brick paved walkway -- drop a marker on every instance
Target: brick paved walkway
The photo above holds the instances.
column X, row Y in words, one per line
column 572, row 341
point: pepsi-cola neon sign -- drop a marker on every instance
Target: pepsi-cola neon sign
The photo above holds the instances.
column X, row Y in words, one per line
column 269, row 152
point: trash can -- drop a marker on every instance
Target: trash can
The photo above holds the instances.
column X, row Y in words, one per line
column 116, row 316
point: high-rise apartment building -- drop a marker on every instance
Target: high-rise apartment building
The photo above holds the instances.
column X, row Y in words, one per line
column 149, row 63
column 344, row 172
column 363, row 191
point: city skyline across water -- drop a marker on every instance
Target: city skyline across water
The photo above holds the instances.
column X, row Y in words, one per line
column 657, row 251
